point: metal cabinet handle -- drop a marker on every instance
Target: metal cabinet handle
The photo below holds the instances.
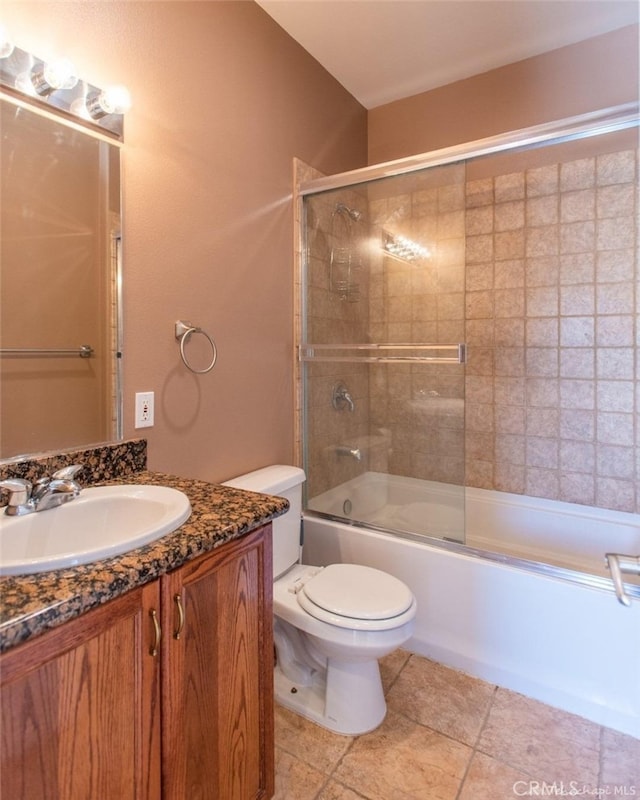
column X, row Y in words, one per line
column 178, row 601
column 153, row 650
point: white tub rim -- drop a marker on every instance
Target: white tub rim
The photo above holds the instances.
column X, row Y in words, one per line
column 536, row 567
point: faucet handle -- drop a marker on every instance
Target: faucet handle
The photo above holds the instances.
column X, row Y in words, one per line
column 67, row 473
column 19, row 492
column 341, row 397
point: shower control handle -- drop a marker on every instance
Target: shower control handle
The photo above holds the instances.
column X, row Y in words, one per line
column 617, row 564
column 341, row 397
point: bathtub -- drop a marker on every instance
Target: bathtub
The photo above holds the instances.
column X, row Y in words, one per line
column 525, row 602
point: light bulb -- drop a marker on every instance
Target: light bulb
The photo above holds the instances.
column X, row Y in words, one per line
column 116, row 99
column 79, row 108
column 24, row 84
column 113, row 100
column 6, row 45
column 59, row 74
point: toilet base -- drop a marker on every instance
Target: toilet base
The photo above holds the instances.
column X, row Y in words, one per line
column 347, row 699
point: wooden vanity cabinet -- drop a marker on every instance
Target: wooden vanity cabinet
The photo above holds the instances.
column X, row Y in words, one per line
column 89, row 713
column 79, row 707
column 217, row 686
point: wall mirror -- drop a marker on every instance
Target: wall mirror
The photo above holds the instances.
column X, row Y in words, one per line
column 60, row 309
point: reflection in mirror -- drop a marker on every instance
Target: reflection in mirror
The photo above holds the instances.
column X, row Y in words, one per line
column 59, row 285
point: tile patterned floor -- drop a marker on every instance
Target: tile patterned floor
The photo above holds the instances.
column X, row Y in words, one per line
column 448, row 736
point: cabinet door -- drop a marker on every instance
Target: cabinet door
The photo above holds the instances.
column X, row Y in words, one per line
column 80, row 707
column 217, row 705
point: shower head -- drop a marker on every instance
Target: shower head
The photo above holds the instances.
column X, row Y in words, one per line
column 352, row 213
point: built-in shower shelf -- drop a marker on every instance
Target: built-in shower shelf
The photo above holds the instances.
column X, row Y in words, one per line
column 385, row 353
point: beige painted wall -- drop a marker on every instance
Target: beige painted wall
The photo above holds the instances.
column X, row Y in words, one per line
column 223, row 100
column 594, row 74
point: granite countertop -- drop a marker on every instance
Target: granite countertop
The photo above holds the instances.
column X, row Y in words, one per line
column 32, row 604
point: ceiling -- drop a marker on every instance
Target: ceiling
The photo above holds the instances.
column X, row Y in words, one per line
column 383, row 50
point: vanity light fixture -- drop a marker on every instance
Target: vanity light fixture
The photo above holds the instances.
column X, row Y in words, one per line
column 403, row 248
column 55, row 84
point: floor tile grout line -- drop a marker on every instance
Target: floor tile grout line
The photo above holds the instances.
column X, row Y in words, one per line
column 499, row 759
column 600, row 758
column 387, row 689
column 330, row 775
column 471, row 748
column 523, row 770
column 474, row 747
column 483, row 724
column 356, row 792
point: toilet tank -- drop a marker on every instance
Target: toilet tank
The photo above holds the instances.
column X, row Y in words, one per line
column 283, row 481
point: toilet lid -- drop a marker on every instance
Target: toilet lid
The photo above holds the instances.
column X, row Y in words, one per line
column 355, row 592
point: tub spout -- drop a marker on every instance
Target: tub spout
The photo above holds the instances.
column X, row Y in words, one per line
column 351, row 452
column 618, row 564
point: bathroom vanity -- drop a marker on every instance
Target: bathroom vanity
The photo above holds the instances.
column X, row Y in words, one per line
column 149, row 675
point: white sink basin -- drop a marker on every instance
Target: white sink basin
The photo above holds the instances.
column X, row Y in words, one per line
column 103, row 521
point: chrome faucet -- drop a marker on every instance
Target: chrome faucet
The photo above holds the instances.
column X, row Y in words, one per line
column 352, row 452
column 46, row 493
column 618, row 564
column 341, row 397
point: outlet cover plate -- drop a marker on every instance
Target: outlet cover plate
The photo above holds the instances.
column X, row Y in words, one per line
column 144, row 410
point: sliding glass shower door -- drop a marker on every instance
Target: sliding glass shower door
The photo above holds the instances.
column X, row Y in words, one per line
column 382, row 352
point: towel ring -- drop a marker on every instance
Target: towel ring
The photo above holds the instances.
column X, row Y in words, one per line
column 183, row 333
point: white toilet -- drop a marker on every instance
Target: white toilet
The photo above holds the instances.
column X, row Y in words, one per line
column 331, row 624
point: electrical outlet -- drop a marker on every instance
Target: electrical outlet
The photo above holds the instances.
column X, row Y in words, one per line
column 144, row 410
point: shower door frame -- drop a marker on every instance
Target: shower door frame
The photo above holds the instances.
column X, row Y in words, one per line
column 592, row 124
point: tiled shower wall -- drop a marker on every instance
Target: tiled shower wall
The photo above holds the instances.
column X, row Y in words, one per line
column 334, row 318
column 421, row 300
column 537, row 271
column 552, row 392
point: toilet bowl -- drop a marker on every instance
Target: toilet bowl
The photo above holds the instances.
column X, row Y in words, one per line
column 331, row 623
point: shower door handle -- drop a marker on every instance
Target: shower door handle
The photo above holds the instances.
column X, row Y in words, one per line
column 619, row 563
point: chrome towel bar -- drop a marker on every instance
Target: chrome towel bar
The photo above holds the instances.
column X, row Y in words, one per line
column 84, row 351
column 384, row 353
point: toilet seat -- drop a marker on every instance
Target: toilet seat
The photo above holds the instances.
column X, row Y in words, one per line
column 357, row 597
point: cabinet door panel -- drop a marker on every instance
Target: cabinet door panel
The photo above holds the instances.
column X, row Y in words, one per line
column 80, row 709
column 217, row 706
